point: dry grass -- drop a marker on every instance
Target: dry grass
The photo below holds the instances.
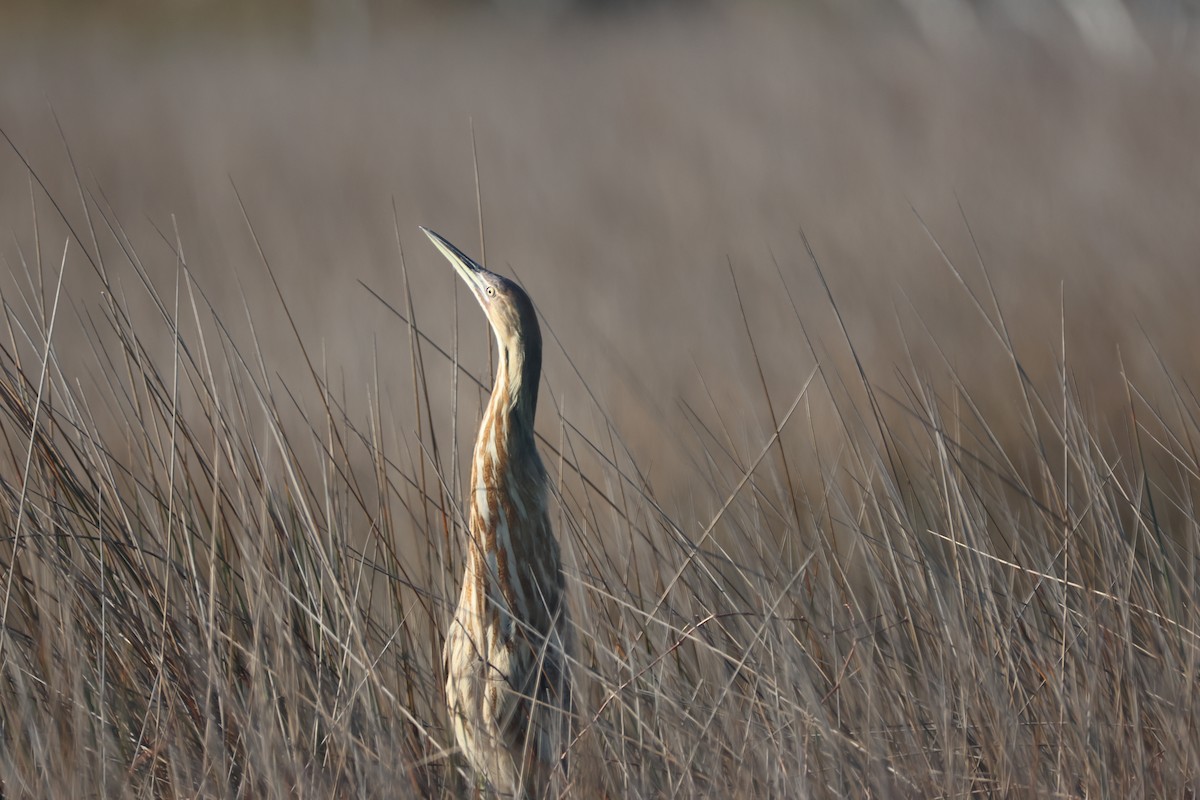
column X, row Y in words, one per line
column 924, row 534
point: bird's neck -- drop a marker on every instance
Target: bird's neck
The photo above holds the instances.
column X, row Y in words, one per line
column 505, row 446
column 515, row 394
column 505, row 458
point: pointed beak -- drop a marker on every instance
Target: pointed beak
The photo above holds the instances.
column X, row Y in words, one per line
column 467, row 269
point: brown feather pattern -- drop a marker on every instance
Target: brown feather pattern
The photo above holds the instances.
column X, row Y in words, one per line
column 507, row 648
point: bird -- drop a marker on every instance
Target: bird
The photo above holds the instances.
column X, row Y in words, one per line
column 509, row 644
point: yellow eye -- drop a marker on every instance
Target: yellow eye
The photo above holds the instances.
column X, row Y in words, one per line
column 491, row 291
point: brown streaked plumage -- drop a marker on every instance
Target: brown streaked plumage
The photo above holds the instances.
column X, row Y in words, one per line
column 507, row 682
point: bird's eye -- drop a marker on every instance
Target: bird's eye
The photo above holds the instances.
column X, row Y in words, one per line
column 491, row 291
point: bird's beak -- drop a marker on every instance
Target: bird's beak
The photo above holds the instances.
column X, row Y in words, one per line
column 467, row 269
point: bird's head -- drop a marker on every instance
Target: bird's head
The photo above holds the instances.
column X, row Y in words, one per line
column 507, row 306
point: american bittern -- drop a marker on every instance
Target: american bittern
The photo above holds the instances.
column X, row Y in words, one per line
column 507, row 682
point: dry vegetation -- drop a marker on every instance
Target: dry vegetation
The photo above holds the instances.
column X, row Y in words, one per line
column 920, row 522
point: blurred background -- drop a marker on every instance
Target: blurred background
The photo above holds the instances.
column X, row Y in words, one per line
column 633, row 157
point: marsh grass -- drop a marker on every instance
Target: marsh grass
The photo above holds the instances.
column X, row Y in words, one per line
column 218, row 582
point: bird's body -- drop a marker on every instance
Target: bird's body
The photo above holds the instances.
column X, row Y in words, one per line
column 507, row 681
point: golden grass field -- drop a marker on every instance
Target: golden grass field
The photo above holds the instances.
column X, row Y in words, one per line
column 917, row 523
